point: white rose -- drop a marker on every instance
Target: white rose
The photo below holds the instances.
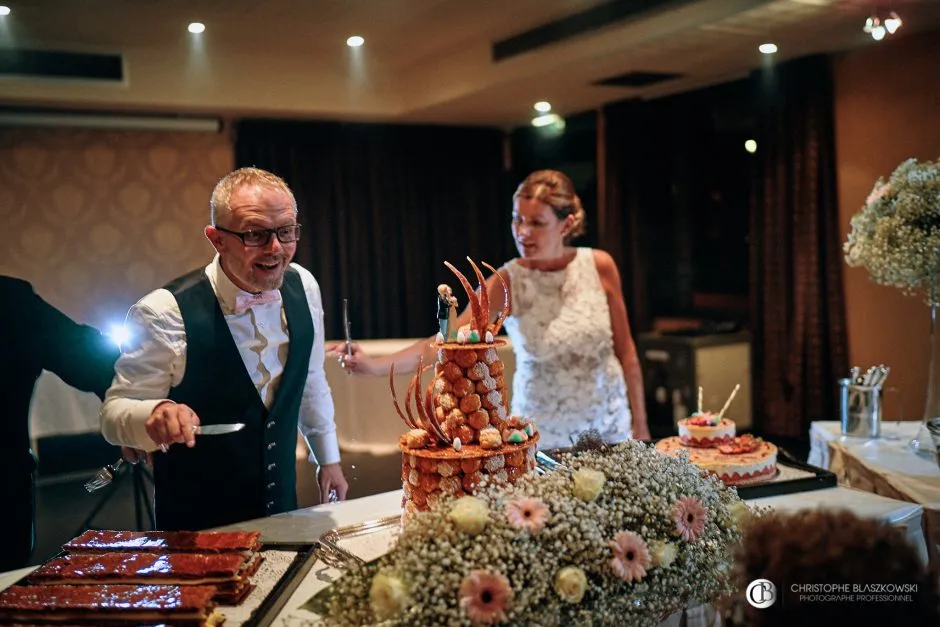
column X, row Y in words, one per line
column 588, row 484
column 387, row 595
column 570, row 584
column 662, row 553
column 469, row 514
column 740, row 513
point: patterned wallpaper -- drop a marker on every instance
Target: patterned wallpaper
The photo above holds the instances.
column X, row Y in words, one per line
column 95, row 219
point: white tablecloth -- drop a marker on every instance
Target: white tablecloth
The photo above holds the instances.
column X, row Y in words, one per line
column 306, row 525
column 889, row 452
column 884, row 466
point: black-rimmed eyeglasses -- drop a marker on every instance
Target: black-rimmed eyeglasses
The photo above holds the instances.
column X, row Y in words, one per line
column 261, row 237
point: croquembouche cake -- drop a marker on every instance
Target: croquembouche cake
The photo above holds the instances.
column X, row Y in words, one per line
column 710, row 440
column 460, row 431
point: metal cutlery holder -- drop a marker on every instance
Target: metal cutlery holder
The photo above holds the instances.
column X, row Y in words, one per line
column 933, row 426
column 860, row 409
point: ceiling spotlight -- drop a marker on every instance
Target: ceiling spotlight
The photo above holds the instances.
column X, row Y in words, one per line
column 547, row 119
column 542, row 106
column 768, row 48
column 196, row 27
column 893, row 23
column 750, row 146
column 549, row 124
column 4, row 10
column 355, row 41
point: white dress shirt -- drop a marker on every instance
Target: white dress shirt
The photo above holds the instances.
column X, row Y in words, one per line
column 154, row 360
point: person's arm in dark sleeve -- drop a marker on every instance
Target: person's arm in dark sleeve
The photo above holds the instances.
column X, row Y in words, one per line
column 79, row 354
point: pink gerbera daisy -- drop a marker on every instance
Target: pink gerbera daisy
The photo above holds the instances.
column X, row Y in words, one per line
column 690, row 516
column 631, row 556
column 484, row 596
column 527, row 513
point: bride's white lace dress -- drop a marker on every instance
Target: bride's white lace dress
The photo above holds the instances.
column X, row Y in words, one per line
column 567, row 377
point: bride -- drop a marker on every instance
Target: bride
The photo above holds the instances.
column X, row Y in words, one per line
column 576, row 362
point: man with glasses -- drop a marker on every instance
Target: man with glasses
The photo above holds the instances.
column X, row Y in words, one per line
column 239, row 341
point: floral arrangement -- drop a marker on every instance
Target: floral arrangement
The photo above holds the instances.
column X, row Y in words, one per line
column 621, row 535
column 896, row 235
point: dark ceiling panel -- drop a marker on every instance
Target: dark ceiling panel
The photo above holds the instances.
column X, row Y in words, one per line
column 637, row 79
column 66, row 65
column 578, row 24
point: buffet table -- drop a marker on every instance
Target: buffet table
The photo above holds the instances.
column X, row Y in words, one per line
column 307, row 525
column 884, row 466
column 311, row 523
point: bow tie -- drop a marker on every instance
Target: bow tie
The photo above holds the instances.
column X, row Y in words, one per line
column 245, row 301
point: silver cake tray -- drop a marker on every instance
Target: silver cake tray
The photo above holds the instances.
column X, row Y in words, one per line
column 359, row 543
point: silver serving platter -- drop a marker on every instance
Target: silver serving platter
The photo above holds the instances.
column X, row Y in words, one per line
column 360, row 543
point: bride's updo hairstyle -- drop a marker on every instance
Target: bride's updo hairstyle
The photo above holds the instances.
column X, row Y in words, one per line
column 555, row 190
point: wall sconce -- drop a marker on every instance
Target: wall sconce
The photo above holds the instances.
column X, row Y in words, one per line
column 878, row 28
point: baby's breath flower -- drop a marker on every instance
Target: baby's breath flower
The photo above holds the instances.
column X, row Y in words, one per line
column 896, row 234
column 633, row 492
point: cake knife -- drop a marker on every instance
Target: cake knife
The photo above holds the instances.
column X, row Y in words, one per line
column 218, row 429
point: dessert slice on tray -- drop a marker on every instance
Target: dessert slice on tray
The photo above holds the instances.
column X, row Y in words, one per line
column 166, row 541
column 228, row 573
column 245, row 543
column 109, row 604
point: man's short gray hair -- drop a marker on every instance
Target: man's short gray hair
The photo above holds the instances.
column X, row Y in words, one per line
column 243, row 177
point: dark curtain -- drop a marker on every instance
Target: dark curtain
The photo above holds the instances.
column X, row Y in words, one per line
column 383, row 206
column 629, row 175
column 798, row 313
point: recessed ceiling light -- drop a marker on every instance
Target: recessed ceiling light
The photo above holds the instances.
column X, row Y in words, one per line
column 767, row 48
column 542, row 106
column 196, row 28
column 4, row 10
column 545, row 120
column 355, row 41
column 750, row 146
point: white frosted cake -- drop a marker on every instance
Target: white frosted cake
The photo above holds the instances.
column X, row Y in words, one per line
column 705, row 429
column 710, row 441
column 744, row 460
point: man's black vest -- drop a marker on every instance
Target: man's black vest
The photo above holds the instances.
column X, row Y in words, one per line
column 251, row 473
